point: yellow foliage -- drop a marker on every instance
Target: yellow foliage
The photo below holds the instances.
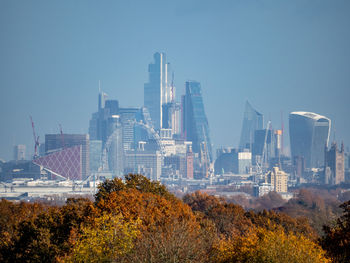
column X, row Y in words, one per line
column 276, row 246
column 107, row 239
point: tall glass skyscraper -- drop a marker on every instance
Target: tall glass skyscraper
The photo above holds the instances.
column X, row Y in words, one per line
column 252, row 121
column 158, row 90
column 309, row 133
column 195, row 127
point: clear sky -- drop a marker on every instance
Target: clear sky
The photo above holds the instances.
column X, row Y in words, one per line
column 279, row 55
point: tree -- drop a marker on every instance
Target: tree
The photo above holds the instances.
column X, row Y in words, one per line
column 276, row 246
column 108, row 239
column 337, row 238
column 132, row 181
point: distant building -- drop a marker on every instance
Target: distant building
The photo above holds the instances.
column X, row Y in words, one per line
column 158, row 90
column 62, row 142
column 224, row 162
column 171, row 117
column 114, row 146
column 147, row 163
column 263, row 189
column 334, row 165
column 252, row 121
column 195, row 127
column 278, row 180
column 189, row 163
column 95, row 155
column 242, row 162
column 267, row 142
column 132, row 133
column 19, row 152
column 309, row 133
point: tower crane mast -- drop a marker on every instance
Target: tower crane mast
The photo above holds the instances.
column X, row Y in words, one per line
column 36, row 139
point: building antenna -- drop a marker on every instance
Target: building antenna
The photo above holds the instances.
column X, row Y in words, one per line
column 99, row 86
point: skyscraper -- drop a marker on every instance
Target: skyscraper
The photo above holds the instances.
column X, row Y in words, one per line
column 158, row 90
column 252, row 121
column 195, row 127
column 309, row 133
column 19, row 152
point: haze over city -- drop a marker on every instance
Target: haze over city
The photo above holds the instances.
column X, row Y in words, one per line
column 280, row 56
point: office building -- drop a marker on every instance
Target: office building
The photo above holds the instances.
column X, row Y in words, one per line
column 309, row 133
column 267, row 144
column 147, row 163
column 171, row 117
column 19, row 152
column 252, row 121
column 132, row 132
column 158, row 90
column 334, row 167
column 242, row 162
column 195, row 126
column 114, row 146
column 95, row 148
column 278, row 180
column 59, row 142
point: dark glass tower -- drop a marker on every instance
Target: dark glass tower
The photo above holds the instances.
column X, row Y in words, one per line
column 309, row 133
column 252, row 121
column 195, row 127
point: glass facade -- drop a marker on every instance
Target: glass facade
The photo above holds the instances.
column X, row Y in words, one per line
column 252, row 121
column 309, row 133
column 158, row 89
column 195, row 127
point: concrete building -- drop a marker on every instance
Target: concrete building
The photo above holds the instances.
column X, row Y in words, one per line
column 147, row 163
column 309, row 133
column 278, row 180
column 334, row 165
column 242, row 161
column 19, row 152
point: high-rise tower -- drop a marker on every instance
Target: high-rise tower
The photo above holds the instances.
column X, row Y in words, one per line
column 309, row 133
column 252, row 121
column 195, row 127
column 158, row 90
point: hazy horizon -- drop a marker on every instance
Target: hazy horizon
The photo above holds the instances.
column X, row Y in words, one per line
column 280, row 56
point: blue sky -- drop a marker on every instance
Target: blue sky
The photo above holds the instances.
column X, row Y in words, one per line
column 280, row 55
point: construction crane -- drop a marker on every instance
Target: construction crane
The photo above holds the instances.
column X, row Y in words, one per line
column 62, row 136
column 262, row 162
column 36, row 139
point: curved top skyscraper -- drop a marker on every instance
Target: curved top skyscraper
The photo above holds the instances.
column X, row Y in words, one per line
column 252, row 121
column 309, row 133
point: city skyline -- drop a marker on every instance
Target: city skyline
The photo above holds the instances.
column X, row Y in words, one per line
column 54, row 76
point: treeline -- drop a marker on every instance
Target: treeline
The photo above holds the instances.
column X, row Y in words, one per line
column 137, row 220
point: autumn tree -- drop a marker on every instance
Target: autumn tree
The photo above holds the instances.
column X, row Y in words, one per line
column 108, row 239
column 337, row 237
column 275, row 245
column 45, row 236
